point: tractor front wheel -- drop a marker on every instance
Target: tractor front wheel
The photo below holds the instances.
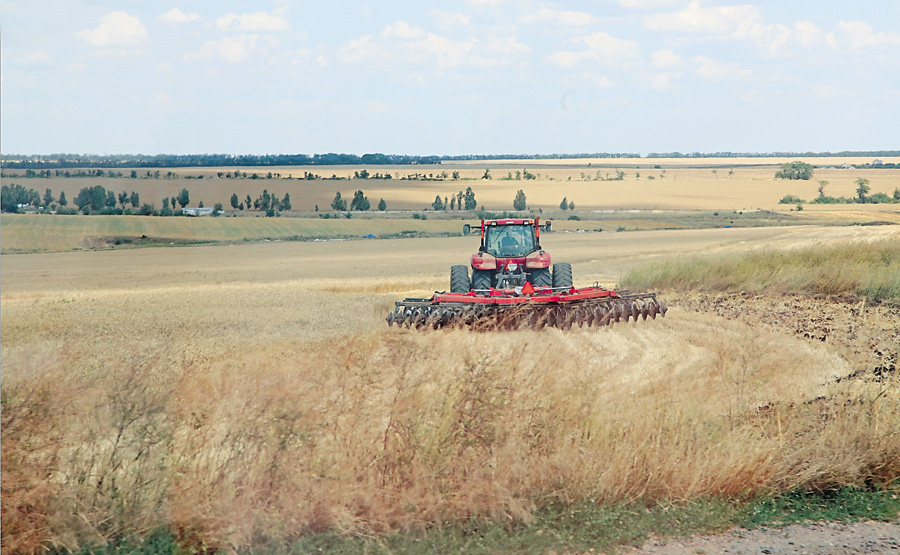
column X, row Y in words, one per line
column 481, row 279
column 562, row 275
column 459, row 279
column 541, row 277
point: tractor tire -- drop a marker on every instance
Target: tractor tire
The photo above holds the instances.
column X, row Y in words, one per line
column 541, row 277
column 459, row 279
column 482, row 279
column 562, row 275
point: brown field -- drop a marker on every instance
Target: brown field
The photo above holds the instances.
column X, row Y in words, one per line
column 751, row 185
column 253, row 391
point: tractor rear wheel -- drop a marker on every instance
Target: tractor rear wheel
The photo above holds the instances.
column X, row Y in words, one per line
column 541, row 277
column 562, row 275
column 459, row 279
column 482, row 279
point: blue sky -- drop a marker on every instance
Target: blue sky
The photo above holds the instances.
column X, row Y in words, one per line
column 466, row 77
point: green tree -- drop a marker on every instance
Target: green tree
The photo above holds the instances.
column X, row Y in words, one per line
column 135, row 199
column 469, row 198
column 110, row 199
column 48, row 197
column 133, row 174
column 455, row 175
column 234, row 201
column 62, row 198
column 795, row 170
column 338, row 203
column 165, row 203
column 248, row 202
column 487, row 175
column 862, row 188
column 382, row 205
column 217, row 209
column 359, row 202
column 822, row 184
column 571, row 205
column 14, row 195
column 438, row 204
column 123, row 198
column 92, row 197
column 564, row 204
column 184, row 198
column 519, row 203
column 286, row 202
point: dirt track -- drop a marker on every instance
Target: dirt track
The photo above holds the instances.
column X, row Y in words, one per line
column 814, row 539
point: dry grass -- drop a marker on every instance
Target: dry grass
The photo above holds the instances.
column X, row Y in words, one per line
column 241, row 393
column 672, row 187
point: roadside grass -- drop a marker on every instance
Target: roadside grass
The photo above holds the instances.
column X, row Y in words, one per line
column 865, row 270
column 584, row 527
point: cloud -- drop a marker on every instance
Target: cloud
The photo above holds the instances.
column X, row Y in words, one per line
column 177, row 16
column 859, row 34
column 718, row 20
column 251, row 22
column 643, row 4
column 666, row 58
column 558, row 17
column 403, row 31
column 712, row 70
column 450, row 19
column 601, row 47
column 233, row 49
column 663, row 81
column 115, row 29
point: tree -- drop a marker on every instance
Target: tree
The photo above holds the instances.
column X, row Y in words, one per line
column 564, row 204
column 382, row 205
column 48, row 197
column 822, row 184
column 795, row 170
column 165, row 203
column 519, row 202
column 133, row 174
column 184, row 198
column 249, row 202
column 359, row 202
column 286, row 202
column 338, row 203
column 455, row 175
column 62, row 198
column 459, row 200
column 135, row 199
column 571, row 205
column 123, row 198
column 234, row 201
column 469, row 199
column 14, row 195
column 200, row 205
column 487, row 175
column 452, row 202
column 93, row 197
column 217, row 209
column 110, row 199
column 863, row 189
column 438, row 204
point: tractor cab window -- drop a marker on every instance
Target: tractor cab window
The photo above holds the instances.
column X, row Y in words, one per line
column 509, row 240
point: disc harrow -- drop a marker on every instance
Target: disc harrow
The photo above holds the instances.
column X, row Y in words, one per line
column 495, row 309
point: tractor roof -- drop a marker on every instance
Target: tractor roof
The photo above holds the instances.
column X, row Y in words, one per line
column 514, row 221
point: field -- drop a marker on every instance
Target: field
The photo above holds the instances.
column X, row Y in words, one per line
column 717, row 184
column 250, row 393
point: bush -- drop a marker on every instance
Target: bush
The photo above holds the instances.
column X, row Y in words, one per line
column 66, row 211
column 790, row 199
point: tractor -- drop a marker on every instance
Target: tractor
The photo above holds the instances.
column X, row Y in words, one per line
column 509, row 256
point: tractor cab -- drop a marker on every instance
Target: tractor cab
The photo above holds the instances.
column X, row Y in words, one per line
column 510, row 238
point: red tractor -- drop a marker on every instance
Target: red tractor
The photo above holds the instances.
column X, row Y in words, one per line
column 509, row 256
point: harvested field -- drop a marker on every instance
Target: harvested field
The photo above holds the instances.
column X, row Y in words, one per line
column 241, row 394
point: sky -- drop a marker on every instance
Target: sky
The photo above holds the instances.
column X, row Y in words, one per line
column 448, row 78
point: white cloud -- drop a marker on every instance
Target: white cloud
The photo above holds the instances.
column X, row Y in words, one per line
column 450, row 19
column 163, row 100
column 36, row 57
column 601, row 47
column 663, row 81
column 506, row 46
column 666, row 58
column 714, row 71
column 115, row 29
column 177, row 16
column 718, row 20
column 378, row 107
column 251, row 22
column 859, row 34
column 403, row 31
column 234, row 49
column 558, row 17
column 643, row 4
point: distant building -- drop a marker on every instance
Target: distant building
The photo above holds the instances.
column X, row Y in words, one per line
column 197, row 211
column 877, row 162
